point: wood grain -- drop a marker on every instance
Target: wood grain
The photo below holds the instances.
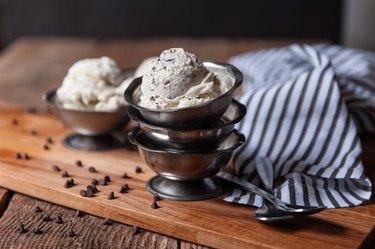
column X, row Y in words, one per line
column 213, row 223
column 91, row 233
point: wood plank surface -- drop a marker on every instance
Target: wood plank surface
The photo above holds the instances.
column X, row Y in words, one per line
column 90, row 230
column 213, row 223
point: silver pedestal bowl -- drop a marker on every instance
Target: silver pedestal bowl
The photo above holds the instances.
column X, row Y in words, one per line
column 94, row 130
column 185, row 175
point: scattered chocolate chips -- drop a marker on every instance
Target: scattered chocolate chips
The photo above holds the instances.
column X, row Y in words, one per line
column 18, row 156
column 138, row 170
column 92, row 169
column 107, row 178
column 111, row 195
column 78, row 213
column 71, row 233
column 46, row 217
column 33, row 132
column 37, row 209
column 45, row 147
column 94, row 181
column 15, row 121
column 58, row 219
column 136, row 230
column 49, row 140
column 107, row 222
column 102, row 182
column 154, row 205
column 83, row 193
column 56, row 168
column 65, row 174
column 156, row 197
column 79, row 163
column 21, row 228
column 37, row 230
column 26, row 156
column 125, row 176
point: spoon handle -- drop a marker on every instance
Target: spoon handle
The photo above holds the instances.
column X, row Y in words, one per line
column 271, row 198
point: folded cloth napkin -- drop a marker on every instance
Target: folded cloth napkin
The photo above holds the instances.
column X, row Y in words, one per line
column 304, row 106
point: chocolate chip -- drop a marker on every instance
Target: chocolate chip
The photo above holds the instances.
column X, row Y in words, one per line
column 46, row 217
column 67, row 184
column 83, row 193
column 107, row 222
column 92, row 188
column 65, row 174
column 37, row 209
column 31, row 109
column 111, row 195
column 58, row 220
column 71, row 233
column 156, row 197
column 37, row 230
column 136, row 230
column 26, row 156
column 79, row 163
column 94, row 181
column 125, row 176
column 78, row 213
column 89, row 193
column 18, row 156
column 33, row 132
column 71, row 181
column 56, row 168
column 21, row 228
column 123, row 189
column 92, row 169
column 102, row 182
column 15, row 121
column 154, row 205
column 45, row 147
column 138, row 170
column 49, row 140
column 107, row 178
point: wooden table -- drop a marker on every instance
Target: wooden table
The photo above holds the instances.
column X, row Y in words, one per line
column 29, row 67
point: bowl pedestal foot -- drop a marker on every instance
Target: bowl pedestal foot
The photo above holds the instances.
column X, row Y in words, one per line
column 206, row 188
column 94, row 143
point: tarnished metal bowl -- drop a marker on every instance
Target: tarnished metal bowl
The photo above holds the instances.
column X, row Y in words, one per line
column 199, row 116
column 185, row 165
column 192, row 139
column 87, row 123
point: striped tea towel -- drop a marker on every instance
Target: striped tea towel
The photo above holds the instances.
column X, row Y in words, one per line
column 304, row 104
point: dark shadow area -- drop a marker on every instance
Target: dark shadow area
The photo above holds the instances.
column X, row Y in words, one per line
column 146, row 18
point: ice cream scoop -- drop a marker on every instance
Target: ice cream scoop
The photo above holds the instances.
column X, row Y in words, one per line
column 95, row 84
column 178, row 79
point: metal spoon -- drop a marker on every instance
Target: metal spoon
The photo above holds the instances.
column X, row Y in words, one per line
column 295, row 209
column 268, row 212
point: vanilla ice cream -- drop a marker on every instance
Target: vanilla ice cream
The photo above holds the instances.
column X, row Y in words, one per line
column 177, row 79
column 93, row 84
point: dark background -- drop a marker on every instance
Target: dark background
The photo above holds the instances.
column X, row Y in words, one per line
column 156, row 18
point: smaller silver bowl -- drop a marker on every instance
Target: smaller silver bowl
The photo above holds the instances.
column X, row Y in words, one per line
column 192, row 139
column 184, row 175
column 92, row 128
column 193, row 117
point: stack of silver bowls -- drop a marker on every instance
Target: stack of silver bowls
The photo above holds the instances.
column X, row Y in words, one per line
column 186, row 147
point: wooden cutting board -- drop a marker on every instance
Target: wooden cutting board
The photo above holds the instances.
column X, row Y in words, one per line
column 213, row 223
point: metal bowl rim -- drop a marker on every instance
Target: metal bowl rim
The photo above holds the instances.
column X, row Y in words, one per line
column 138, row 118
column 136, row 131
column 128, row 94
